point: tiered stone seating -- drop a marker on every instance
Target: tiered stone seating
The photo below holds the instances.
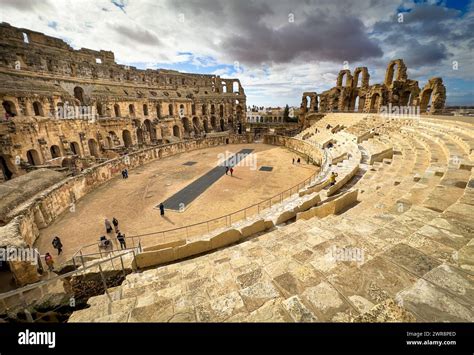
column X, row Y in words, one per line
column 404, row 252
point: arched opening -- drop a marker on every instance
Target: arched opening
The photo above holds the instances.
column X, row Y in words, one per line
column 127, row 138
column 4, row 169
column 187, row 124
column 344, row 79
column 145, row 109
column 406, row 98
column 181, row 110
column 196, row 125
column 131, row 110
column 140, row 139
column 110, row 144
column 203, row 110
column 213, row 109
column 206, row 126
column 176, row 131
column 55, row 151
column 425, row 104
column 74, row 146
column 221, row 111
column 100, row 109
column 93, row 148
column 79, row 94
column 117, row 110
column 33, row 157
column 38, row 109
column 235, row 87
column 10, row 108
column 213, row 123
column 170, row 109
column 222, row 123
column 224, row 87
column 149, row 128
column 193, row 109
column 374, row 102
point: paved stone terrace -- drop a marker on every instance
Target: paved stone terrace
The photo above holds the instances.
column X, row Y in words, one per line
column 403, row 253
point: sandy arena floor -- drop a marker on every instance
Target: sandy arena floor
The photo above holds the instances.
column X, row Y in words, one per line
column 133, row 201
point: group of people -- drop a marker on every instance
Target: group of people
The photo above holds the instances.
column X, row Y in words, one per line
column 48, row 258
column 104, row 242
column 125, row 174
column 231, row 170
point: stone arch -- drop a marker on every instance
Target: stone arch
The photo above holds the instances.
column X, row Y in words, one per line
column 238, row 111
column 131, row 110
column 145, row 110
column 150, row 129
column 10, row 108
column 79, row 94
column 176, row 131
column 117, row 110
column 406, row 98
column 93, row 147
column 170, row 109
column 55, row 151
column 344, row 74
column 214, row 123
column 426, row 100
column 400, row 73
column 140, row 138
column 38, row 109
column 203, row 109
column 75, row 149
column 213, row 109
column 182, row 111
column 109, row 142
column 6, row 167
column 365, row 77
column 127, row 138
column 33, row 157
column 235, row 86
column 221, row 110
column 222, row 124
column 193, row 109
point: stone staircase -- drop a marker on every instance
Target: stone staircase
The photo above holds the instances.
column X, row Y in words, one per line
column 403, row 253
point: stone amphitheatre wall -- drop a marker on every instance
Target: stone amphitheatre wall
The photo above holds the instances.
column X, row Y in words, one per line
column 24, row 222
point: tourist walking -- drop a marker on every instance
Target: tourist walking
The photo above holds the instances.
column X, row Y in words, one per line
column 162, row 209
column 231, row 171
column 115, row 223
column 125, row 171
column 108, row 226
column 121, row 239
column 226, row 170
column 57, row 244
column 123, row 174
column 332, row 178
column 49, row 261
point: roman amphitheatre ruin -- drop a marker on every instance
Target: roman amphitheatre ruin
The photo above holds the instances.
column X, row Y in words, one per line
column 390, row 240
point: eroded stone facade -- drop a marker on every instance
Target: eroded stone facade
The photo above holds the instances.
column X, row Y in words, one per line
column 69, row 107
column 353, row 93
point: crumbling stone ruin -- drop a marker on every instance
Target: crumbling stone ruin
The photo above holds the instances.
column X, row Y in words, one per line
column 72, row 108
column 353, row 93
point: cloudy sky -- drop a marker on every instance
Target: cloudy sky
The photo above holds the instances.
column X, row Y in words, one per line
column 277, row 48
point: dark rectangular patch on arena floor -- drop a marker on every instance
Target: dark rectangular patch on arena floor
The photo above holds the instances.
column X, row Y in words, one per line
column 266, row 168
column 189, row 163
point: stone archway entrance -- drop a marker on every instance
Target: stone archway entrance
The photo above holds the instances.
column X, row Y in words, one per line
column 4, row 169
column 33, row 157
column 127, row 138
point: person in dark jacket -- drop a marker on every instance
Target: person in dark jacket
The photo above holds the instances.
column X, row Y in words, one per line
column 121, row 239
column 115, row 223
column 162, row 209
column 57, row 244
